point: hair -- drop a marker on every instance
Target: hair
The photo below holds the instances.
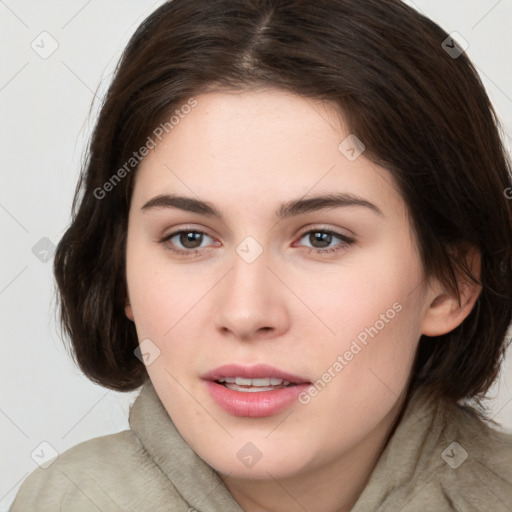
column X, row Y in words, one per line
column 421, row 112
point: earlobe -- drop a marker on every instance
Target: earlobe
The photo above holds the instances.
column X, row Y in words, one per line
column 445, row 313
column 128, row 311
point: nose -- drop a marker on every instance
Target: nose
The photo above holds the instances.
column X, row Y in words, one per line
column 251, row 303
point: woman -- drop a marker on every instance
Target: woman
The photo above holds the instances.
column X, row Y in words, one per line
column 296, row 237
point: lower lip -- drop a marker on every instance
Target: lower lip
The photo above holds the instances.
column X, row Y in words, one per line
column 254, row 404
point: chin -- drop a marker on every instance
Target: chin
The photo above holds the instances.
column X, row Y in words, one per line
column 258, row 459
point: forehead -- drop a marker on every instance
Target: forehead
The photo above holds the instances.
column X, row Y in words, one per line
column 260, row 146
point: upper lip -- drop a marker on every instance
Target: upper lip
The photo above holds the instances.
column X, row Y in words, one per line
column 258, row 371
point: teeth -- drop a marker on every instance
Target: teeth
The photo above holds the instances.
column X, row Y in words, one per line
column 255, row 383
column 250, row 389
column 243, row 382
column 260, row 382
column 231, row 380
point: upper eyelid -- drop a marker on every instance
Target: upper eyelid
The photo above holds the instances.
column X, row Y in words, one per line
column 176, row 231
column 339, row 231
column 335, row 231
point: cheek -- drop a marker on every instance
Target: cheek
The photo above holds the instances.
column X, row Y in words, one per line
column 168, row 302
column 151, row 302
column 366, row 296
column 150, row 292
column 374, row 315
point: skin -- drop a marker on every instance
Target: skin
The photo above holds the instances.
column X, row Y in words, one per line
column 247, row 153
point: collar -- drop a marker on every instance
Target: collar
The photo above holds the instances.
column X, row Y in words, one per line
column 198, row 483
column 409, row 474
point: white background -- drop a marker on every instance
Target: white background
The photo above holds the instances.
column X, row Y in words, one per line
column 46, row 119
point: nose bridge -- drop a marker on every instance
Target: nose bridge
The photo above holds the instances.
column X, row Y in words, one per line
column 248, row 281
column 250, row 299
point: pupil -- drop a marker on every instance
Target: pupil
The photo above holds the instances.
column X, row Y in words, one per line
column 189, row 238
column 322, row 237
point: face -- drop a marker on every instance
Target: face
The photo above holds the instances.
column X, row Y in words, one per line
column 280, row 330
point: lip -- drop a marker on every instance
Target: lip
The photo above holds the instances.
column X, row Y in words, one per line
column 254, row 404
column 258, row 371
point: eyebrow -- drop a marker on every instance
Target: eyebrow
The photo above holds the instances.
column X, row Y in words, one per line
column 286, row 210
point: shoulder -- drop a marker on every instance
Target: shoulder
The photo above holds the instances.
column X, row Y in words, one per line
column 457, row 460
column 444, row 457
column 110, row 473
column 477, row 461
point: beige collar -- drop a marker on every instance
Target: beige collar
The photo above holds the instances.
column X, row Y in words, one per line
column 420, row 469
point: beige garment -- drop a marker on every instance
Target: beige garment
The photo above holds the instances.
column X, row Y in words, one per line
column 150, row 468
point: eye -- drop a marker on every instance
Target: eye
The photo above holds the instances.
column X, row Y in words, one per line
column 189, row 242
column 321, row 240
column 190, row 239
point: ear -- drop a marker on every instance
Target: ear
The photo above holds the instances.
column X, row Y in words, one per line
column 444, row 312
column 128, row 311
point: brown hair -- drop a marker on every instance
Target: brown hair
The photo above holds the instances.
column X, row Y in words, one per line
column 421, row 112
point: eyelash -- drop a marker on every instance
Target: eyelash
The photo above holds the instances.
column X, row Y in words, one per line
column 345, row 242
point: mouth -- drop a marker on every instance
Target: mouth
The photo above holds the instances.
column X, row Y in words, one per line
column 253, row 391
column 253, row 385
column 260, row 377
